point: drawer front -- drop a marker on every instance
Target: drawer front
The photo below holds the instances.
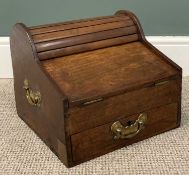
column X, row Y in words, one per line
column 100, row 140
column 83, row 118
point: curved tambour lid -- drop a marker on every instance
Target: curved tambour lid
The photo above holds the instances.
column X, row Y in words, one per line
column 60, row 39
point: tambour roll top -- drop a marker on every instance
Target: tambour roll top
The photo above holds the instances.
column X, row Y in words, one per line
column 94, row 58
column 59, row 39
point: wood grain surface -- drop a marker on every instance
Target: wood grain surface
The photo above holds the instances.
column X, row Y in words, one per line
column 90, row 116
column 94, row 74
column 67, row 38
column 99, row 140
column 91, row 73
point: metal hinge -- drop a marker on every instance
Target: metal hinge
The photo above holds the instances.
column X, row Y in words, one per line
column 161, row 83
column 92, row 101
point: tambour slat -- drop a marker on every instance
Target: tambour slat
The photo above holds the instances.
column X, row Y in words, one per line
column 64, row 26
column 61, row 39
column 73, row 21
column 68, row 22
column 87, row 47
column 78, row 31
column 81, row 39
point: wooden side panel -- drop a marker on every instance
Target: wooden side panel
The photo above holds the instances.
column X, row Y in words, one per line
column 99, row 140
column 47, row 120
column 86, row 117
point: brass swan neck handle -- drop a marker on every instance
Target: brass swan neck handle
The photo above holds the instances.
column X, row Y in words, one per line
column 33, row 98
column 121, row 132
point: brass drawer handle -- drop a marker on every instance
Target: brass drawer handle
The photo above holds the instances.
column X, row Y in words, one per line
column 34, row 98
column 121, row 132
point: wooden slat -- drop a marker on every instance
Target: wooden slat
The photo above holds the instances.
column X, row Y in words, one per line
column 78, row 31
column 73, row 21
column 81, row 39
column 87, row 47
column 68, row 22
column 77, row 25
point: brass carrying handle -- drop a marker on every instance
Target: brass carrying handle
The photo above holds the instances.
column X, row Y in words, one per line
column 121, row 132
column 34, row 98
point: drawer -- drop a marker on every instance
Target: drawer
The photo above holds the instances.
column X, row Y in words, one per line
column 96, row 114
column 102, row 139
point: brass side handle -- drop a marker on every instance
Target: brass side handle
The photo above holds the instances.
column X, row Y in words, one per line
column 33, row 98
column 121, row 132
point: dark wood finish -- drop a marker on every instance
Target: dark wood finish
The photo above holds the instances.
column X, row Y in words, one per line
column 99, row 140
column 78, row 31
column 63, row 27
column 86, row 47
column 105, row 60
column 79, row 36
column 98, row 71
column 108, row 110
column 87, row 38
column 48, row 120
column 73, row 21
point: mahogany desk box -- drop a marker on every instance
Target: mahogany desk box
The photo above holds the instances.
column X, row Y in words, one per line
column 88, row 87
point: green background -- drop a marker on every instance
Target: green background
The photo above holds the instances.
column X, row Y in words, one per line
column 160, row 17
